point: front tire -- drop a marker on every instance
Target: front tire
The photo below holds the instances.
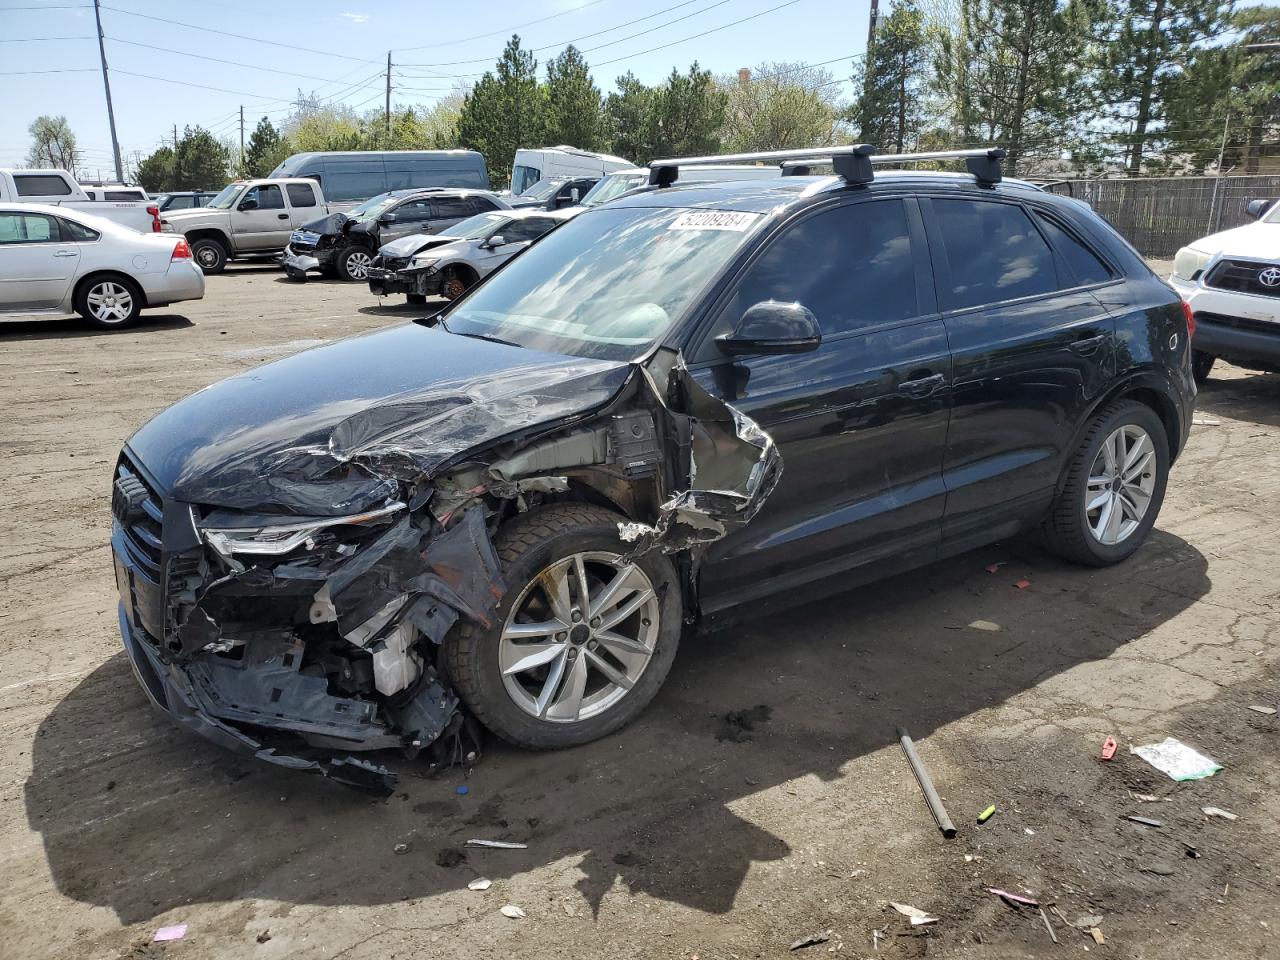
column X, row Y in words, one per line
column 454, row 284
column 1201, row 364
column 353, row 265
column 109, row 302
column 1114, row 486
column 581, row 641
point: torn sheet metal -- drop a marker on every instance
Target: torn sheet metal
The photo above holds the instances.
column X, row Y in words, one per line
column 392, row 497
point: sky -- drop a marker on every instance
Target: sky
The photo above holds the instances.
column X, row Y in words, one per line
column 50, row 65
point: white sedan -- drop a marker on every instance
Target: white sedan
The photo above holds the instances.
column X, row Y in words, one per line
column 54, row 260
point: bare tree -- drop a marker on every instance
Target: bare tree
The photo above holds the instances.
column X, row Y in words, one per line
column 52, row 144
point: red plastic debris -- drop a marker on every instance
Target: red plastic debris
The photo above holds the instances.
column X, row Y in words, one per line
column 1022, row 584
column 1108, row 748
column 993, row 567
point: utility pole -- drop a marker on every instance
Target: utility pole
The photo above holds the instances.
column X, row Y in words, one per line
column 387, row 112
column 871, row 25
column 175, row 136
column 106, row 84
column 1222, row 153
column 242, row 137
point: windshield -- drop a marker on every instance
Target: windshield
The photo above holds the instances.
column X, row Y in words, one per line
column 1274, row 215
column 542, row 190
column 371, row 208
column 613, row 186
column 607, row 284
column 226, row 197
column 473, row 228
column 523, row 177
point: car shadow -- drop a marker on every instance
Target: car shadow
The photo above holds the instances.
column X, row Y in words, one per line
column 402, row 308
column 137, row 816
column 61, row 328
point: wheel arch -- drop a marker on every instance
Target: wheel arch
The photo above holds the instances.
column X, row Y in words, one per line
column 210, row 233
column 465, row 269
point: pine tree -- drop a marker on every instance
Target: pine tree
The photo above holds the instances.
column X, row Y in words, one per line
column 573, row 102
column 265, row 150
column 890, row 110
column 1143, row 50
column 200, row 162
column 688, row 114
column 504, row 111
column 627, row 117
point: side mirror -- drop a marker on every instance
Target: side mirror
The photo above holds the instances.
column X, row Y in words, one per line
column 1256, row 208
column 497, row 240
column 387, row 218
column 574, row 196
column 248, row 204
column 773, row 327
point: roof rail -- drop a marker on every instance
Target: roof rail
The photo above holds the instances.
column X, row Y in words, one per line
column 854, row 163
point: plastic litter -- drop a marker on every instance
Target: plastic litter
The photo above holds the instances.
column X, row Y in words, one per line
column 497, row 844
column 1265, row 711
column 513, row 912
column 462, row 790
column 1022, row 584
column 812, row 940
column 993, row 567
column 1218, row 812
column 480, row 883
column 987, row 814
column 401, row 849
column 1177, row 760
column 1013, row 897
column 917, row 916
column 175, row 932
column 985, row 625
column 1108, row 748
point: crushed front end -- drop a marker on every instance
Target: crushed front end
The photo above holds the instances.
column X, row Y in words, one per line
column 390, row 275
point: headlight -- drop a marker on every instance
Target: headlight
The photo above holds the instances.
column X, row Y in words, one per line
column 424, row 264
column 1188, row 262
column 277, row 539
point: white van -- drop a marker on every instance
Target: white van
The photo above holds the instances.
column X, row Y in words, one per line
column 623, row 181
column 533, row 165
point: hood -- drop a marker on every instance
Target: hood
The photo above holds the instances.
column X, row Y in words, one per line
column 337, row 429
column 327, row 226
column 408, row 246
column 195, row 213
column 517, row 203
column 1256, row 241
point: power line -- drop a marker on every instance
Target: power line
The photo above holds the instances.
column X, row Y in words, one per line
column 29, row 73
column 231, row 63
column 587, row 36
column 39, row 39
column 704, row 33
column 238, row 36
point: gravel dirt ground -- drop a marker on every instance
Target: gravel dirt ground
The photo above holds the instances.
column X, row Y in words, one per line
column 683, row 835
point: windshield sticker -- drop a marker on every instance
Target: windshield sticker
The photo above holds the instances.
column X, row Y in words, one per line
column 714, row 220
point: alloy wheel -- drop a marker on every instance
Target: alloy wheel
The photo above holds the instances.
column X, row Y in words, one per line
column 578, row 637
column 1121, row 482
column 358, row 265
column 109, row 302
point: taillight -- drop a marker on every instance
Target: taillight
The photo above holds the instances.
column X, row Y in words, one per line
column 1191, row 319
column 182, row 251
column 155, row 218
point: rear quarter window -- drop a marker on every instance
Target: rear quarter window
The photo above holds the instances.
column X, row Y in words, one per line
column 1085, row 265
column 301, row 195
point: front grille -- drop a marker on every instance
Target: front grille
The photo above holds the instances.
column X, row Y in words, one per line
column 1243, row 276
column 140, row 512
column 393, row 263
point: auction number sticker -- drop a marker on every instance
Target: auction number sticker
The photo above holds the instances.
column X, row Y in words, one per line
column 714, row 220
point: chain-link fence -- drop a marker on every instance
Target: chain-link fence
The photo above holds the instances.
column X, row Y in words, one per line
column 1160, row 214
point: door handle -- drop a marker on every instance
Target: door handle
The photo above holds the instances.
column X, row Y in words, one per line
column 921, row 387
column 282, row 216
column 1087, row 345
column 65, row 253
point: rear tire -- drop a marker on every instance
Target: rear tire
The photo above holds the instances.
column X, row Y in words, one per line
column 1201, row 364
column 210, row 255
column 353, row 264
column 109, row 303
column 532, row 548
column 1079, row 526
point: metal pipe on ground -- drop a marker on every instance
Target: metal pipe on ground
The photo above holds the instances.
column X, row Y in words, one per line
column 926, row 785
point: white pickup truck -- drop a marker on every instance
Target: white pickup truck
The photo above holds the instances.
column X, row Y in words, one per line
column 58, row 188
column 248, row 219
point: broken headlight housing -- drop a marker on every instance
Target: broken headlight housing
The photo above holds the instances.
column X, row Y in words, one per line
column 424, row 263
column 277, row 539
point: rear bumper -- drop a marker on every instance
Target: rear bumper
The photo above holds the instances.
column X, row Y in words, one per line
column 182, row 281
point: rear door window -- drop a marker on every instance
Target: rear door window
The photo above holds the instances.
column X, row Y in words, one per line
column 28, row 228
column 301, row 195
column 994, row 253
column 1085, row 265
column 451, row 208
column 851, row 265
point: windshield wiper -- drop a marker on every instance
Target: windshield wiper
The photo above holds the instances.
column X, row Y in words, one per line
column 477, row 336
